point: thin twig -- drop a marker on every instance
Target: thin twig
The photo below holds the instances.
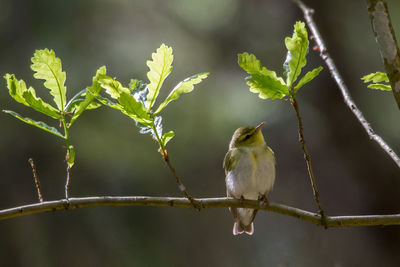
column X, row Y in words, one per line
column 67, row 183
column 36, row 178
column 387, row 43
column 307, row 157
column 179, row 181
column 165, row 157
column 342, row 86
column 315, row 218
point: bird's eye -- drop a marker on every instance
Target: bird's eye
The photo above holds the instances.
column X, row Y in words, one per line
column 247, row 136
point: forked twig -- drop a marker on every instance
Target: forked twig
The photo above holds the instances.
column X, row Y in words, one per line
column 181, row 186
column 342, row 86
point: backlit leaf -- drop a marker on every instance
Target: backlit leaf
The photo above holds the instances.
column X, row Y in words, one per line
column 71, row 156
column 167, row 137
column 184, row 86
column 261, row 80
column 27, row 96
column 38, row 124
column 376, row 77
column 160, row 67
column 91, row 92
column 380, row 86
column 48, row 67
column 133, row 108
column 307, row 78
column 297, row 47
column 113, row 87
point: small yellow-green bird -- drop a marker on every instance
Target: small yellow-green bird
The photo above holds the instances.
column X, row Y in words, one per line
column 250, row 173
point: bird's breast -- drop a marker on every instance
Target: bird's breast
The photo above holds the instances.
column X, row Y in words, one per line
column 253, row 175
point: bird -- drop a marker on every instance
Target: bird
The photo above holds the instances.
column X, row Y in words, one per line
column 249, row 173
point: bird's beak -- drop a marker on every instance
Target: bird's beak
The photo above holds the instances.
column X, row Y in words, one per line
column 260, row 126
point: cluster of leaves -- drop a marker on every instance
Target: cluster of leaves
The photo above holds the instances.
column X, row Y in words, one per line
column 266, row 83
column 137, row 101
column 377, row 78
column 47, row 66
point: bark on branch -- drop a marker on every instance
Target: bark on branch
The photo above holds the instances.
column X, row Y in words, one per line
column 387, row 43
column 315, row 218
column 308, row 12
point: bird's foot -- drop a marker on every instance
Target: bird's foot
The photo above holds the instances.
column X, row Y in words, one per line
column 263, row 200
column 241, row 200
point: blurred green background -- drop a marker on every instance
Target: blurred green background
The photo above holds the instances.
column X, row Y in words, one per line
column 353, row 174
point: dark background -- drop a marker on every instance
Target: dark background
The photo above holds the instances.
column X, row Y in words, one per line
column 354, row 175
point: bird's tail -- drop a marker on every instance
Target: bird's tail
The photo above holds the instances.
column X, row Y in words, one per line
column 239, row 228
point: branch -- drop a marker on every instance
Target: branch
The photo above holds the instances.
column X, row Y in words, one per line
column 179, row 181
column 307, row 158
column 165, row 157
column 77, row 203
column 387, row 43
column 342, row 86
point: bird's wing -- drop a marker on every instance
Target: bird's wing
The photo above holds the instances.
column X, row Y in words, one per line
column 269, row 150
column 227, row 162
column 230, row 160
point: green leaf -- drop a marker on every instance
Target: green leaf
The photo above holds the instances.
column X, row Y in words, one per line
column 376, row 77
column 78, row 102
column 48, row 67
column 93, row 105
column 184, row 86
column 129, row 110
column 160, row 67
column 297, row 47
column 133, row 108
column 38, row 124
column 127, row 102
column 95, row 89
column 137, row 85
column 113, row 87
column 167, row 137
column 71, row 156
column 91, row 92
column 17, row 89
column 107, row 102
column 38, row 104
column 307, row 78
column 380, row 86
column 262, row 81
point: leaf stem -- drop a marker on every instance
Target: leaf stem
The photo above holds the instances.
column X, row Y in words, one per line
column 165, row 157
column 66, row 134
column 307, row 158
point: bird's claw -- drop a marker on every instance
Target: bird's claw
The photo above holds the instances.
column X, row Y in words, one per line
column 263, row 201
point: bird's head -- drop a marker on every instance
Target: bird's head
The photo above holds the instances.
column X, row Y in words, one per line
column 248, row 136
